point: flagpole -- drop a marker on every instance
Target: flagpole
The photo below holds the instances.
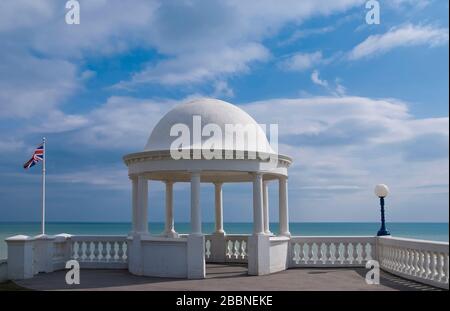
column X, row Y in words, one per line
column 43, row 186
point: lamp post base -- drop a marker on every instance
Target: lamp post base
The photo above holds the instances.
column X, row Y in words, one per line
column 383, row 232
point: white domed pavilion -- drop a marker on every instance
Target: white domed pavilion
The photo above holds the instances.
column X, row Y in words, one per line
column 214, row 151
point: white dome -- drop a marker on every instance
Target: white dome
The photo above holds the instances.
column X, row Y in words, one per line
column 211, row 111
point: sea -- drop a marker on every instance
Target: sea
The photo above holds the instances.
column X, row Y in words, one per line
column 424, row 231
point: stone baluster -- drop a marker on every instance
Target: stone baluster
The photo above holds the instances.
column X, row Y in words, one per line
column 445, row 276
column 323, row 250
column 296, row 252
column 88, row 251
column 329, row 253
column 440, row 267
column 428, row 265
column 349, row 253
column 407, row 261
column 243, row 249
column 364, row 252
column 396, row 259
column 96, row 251
column 208, row 248
column 422, row 263
column 229, row 252
column 236, row 249
column 310, row 254
column 104, row 251
column 336, row 253
column 403, row 260
column 112, row 251
column 79, row 251
column 416, row 263
column 120, row 251
column 354, row 253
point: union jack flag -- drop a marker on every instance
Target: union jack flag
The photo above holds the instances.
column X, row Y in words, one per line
column 38, row 155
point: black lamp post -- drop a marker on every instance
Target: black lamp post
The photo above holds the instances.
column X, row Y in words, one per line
column 382, row 191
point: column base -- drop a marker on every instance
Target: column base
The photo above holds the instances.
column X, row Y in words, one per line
column 286, row 234
column 219, row 233
column 171, row 234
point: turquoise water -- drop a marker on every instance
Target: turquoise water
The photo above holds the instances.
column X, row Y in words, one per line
column 426, row 231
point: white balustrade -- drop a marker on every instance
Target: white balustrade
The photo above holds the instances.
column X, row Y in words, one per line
column 323, row 251
column 208, row 249
column 100, row 251
column 236, row 248
column 418, row 260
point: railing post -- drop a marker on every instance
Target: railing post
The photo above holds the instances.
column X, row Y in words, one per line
column 20, row 257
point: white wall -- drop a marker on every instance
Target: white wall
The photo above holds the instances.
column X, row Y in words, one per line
column 165, row 258
column 3, row 271
column 279, row 252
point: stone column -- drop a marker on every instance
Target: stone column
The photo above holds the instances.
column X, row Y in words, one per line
column 283, row 206
column 266, row 207
column 258, row 226
column 218, row 208
column 134, row 203
column 196, row 267
column 142, row 205
column 169, row 227
column 196, row 216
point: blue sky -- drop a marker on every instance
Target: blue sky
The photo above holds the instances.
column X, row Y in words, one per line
column 356, row 104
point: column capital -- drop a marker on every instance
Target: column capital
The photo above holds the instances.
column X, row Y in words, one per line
column 283, row 177
column 168, row 182
column 141, row 177
column 218, row 183
column 132, row 176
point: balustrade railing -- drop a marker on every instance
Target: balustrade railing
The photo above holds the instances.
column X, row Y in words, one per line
column 325, row 251
column 236, row 248
column 233, row 248
column 100, row 251
column 423, row 261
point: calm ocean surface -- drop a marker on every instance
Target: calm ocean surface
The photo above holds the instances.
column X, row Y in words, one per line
column 426, row 231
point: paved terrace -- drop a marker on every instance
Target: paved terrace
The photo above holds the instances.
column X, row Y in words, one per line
column 228, row 278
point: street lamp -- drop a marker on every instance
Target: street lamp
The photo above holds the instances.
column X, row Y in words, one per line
column 381, row 191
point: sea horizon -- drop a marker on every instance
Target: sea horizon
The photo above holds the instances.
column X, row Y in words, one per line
column 435, row 231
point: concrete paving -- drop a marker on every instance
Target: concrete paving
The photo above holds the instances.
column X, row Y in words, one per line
column 227, row 278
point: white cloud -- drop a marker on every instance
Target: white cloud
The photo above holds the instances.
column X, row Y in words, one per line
column 222, row 89
column 302, row 61
column 110, row 177
column 201, row 66
column 304, row 33
column 316, row 79
column 343, row 146
column 31, row 86
column 195, row 37
column 407, row 35
column 111, row 125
